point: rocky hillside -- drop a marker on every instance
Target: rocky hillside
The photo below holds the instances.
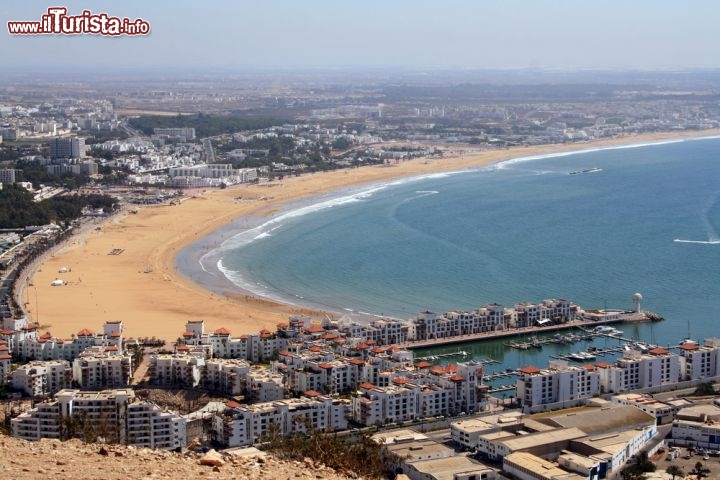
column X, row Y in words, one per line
column 49, row 459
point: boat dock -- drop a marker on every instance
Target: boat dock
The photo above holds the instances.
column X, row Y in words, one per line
column 524, row 331
column 502, row 388
column 459, row 353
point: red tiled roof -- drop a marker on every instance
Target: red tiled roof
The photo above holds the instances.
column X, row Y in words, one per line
column 46, row 335
column 602, row 365
column 437, row 370
column 315, row 328
column 689, row 346
column 232, row 404
column 451, row 368
column 658, row 351
column 183, row 348
column 222, row 331
column 361, row 346
column 589, row 368
column 312, row 393
column 400, row 380
column 7, row 332
column 357, row 361
column 329, row 336
column 456, row 378
column 370, row 341
column 315, row 348
column 111, row 348
column 423, row 364
column 84, row 333
column 115, row 334
column 188, row 334
column 377, row 350
column 529, row 369
column 366, row 385
column 339, row 340
column 5, row 356
column 326, row 366
column 283, row 353
column 3, row 348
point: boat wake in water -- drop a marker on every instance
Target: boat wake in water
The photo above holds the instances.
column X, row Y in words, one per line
column 713, row 237
column 704, row 242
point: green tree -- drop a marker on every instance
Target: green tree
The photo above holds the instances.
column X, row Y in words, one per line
column 675, row 471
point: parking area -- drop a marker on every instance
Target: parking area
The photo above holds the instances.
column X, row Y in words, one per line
column 687, row 459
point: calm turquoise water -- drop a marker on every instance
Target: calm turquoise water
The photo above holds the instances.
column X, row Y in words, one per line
column 519, row 231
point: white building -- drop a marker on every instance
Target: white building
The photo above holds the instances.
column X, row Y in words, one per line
column 636, row 371
column 226, row 375
column 559, row 385
column 248, row 424
column 467, row 432
column 40, row 378
column 662, row 411
column 698, row 362
column 176, row 370
column 100, row 368
column 115, row 416
column 699, row 426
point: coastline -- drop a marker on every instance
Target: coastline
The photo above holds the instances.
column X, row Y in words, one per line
column 143, row 286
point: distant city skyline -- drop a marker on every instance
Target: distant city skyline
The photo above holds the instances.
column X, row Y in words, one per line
column 510, row 34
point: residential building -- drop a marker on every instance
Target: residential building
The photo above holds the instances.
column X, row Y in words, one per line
column 115, row 416
column 559, row 385
column 248, row 424
column 698, row 362
column 176, row 370
column 8, row 175
column 228, row 376
column 42, row 378
column 67, row 147
column 100, row 368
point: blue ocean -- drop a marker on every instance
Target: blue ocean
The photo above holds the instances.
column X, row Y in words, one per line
column 644, row 219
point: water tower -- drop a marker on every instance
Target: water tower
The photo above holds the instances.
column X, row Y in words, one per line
column 637, row 298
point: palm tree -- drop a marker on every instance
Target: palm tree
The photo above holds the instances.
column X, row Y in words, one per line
column 675, row 471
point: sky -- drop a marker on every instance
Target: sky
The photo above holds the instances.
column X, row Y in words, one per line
column 466, row 34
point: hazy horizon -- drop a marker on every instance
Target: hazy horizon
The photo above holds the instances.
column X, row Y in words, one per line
column 457, row 34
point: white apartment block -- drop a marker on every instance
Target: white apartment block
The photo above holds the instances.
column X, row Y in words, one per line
column 558, row 384
column 636, row 371
column 114, row 416
column 226, row 375
column 100, row 368
column 249, row 424
column 27, row 345
column 179, row 370
column 381, row 405
column 255, row 347
column 41, row 378
column 187, row 132
column 264, row 386
column 698, row 362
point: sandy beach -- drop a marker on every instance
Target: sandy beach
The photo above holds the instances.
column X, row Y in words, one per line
column 141, row 285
